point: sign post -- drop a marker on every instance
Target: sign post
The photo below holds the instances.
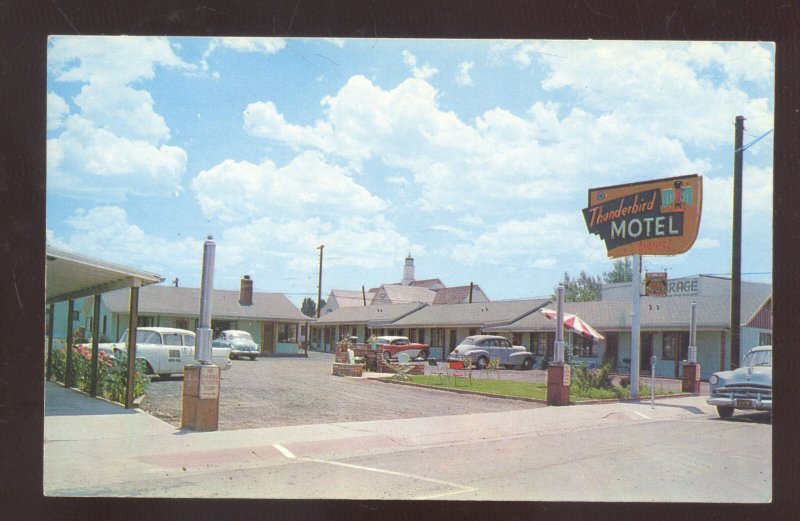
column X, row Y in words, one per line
column 691, row 369
column 558, row 372
column 658, row 217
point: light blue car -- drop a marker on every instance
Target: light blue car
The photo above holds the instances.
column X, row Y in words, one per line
column 239, row 342
column 749, row 387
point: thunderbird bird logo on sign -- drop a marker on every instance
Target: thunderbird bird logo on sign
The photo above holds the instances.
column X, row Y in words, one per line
column 659, row 217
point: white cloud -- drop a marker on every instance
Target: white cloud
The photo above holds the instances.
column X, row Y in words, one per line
column 661, row 88
column 115, row 60
column 527, row 242
column 235, row 191
column 247, row 44
column 92, row 162
column 420, row 73
column 104, row 232
column 350, row 241
column 57, row 111
column 463, row 77
column 122, row 111
column 457, row 165
column 115, row 144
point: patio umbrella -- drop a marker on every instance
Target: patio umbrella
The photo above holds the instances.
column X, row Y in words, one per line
column 575, row 323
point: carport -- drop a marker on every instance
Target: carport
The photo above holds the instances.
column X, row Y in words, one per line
column 70, row 276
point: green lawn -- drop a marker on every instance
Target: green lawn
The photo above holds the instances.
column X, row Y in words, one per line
column 536, row 391
column 486, row 385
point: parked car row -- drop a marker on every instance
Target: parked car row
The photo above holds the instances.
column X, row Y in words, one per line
column 165, row 350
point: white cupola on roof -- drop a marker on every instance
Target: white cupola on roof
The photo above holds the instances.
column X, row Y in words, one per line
column 408, row 271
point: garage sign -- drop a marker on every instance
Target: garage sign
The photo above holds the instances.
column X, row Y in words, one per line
column 658, row 217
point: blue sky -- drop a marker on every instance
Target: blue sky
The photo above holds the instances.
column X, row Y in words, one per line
column 473, row 155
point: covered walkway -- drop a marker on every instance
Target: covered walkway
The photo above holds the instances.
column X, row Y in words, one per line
column 70, row 276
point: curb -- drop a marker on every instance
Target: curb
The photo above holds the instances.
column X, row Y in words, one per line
column 534, row 400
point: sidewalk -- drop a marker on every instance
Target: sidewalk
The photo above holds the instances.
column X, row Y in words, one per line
column 96, row 448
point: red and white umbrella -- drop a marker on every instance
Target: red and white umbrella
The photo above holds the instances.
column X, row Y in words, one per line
column 575, row 323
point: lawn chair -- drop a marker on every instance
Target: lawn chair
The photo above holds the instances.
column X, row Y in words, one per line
column 435, row 369
column 353, row 359
column 402, row 367
column 460, row 368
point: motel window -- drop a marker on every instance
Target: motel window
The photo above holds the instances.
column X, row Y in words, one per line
column 145, row 322
column 675, row 346
column 437, row 337
column 287, row 333
column 765, row 339
column 582, row 346
column 516, row 339
column 182, row 323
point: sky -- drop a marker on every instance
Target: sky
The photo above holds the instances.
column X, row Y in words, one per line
column 474, row 156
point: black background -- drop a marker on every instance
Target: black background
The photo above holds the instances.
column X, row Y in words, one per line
column 24, row 26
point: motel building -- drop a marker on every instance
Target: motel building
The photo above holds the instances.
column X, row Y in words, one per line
column 664, row 325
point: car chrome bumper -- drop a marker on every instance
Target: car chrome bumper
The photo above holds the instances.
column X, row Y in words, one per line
column 236, row 352
column 758, row 404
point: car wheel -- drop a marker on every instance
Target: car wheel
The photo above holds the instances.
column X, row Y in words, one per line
column 252, row 358
column 423, row 355
column 386, row 356
column 482, row 362
column 526, row 364
column 724, row 412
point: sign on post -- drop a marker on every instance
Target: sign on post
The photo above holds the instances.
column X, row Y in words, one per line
column 655, row 284
column 659, row 217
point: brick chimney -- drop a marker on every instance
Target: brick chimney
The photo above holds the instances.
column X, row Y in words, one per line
column 246, row 291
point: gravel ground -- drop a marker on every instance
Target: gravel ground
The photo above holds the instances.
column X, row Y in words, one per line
column 272, row 392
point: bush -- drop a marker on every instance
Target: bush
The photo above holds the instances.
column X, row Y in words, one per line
column 594, row 383
column 112, row 381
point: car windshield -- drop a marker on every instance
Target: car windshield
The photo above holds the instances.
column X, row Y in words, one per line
column 142, row 337
column 401, row 342
column 761, row 358
column 239, row 336
column 383, row 340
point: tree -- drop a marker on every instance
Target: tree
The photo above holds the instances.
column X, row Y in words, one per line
column 309, row 307
column 621, row 272
column 582, row 289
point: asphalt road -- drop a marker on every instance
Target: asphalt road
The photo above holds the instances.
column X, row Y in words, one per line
column 272, row 392
column 678, row 451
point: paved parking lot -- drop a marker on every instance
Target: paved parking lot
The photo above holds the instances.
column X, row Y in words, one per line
column 272, row 392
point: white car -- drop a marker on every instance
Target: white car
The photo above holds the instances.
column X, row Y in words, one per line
column 166, row 350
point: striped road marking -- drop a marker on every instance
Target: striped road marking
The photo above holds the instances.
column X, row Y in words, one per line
column 460, row 488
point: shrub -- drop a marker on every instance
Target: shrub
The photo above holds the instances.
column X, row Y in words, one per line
column 112, row 381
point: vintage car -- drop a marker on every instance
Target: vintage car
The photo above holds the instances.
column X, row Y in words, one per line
column 165, row 350
column 394, row 345
column 481, row 348
column 239, row 342
column 749, row 387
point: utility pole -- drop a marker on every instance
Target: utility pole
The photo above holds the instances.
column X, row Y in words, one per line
column 736, row 243
column 319, row 280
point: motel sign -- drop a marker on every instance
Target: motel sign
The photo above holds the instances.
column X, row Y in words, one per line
column 659, row 217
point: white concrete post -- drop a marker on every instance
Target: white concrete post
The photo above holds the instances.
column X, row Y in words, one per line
column 558, row 355
column 635, row 328
column 203, row 343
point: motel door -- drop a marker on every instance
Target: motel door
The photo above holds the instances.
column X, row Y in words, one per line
column 268, row 338
column 645, row 352
column 452, row 344
column 611, row 354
